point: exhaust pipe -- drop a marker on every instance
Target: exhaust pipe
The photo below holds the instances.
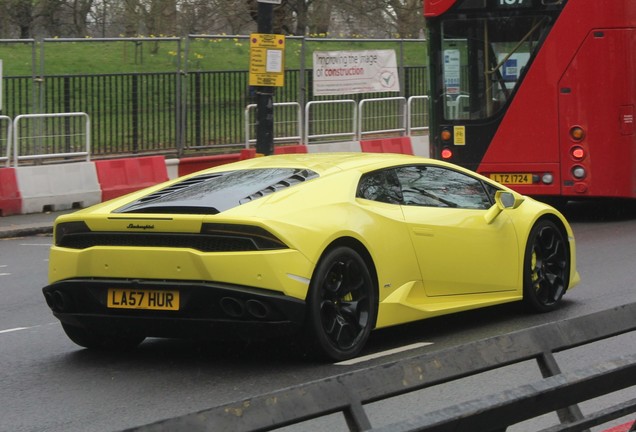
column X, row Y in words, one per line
column 252, row 308
column 257, row 309
column 62, row 302
column 232, row 307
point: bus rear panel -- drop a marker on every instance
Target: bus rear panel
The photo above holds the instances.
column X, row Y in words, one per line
column 536, row 94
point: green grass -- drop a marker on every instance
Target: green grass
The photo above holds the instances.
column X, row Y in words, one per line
column 92, row 56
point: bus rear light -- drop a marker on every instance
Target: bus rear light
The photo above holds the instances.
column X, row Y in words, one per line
column 577, row 133
column 447, row 153
column 445, row 135
column 547, row 178
column 580, row 187
column 578, row 172
column 578, row 153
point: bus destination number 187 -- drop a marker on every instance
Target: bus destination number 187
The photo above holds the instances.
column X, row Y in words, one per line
column 514, row 3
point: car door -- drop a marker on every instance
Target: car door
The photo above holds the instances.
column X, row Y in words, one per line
column 458, row 252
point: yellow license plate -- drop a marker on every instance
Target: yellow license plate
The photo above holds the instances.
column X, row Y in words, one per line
column 142, row 299
column 512, row 178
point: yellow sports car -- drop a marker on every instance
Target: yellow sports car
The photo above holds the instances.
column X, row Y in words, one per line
column 326, row 246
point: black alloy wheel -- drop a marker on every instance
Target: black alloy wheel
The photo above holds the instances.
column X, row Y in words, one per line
column 342, row 304
column 546, row 267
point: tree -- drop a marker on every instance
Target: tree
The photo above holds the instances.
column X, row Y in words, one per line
column 383, row 18
column 79, row 11
column 21, row 13
column 132, row 18
column 406, row 16
column 282, row 15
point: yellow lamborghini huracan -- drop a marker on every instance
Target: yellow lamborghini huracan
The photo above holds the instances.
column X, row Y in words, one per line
column 326, row 246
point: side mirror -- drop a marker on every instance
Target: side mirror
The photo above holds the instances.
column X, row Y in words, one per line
column 503, row 200
column 508, row 199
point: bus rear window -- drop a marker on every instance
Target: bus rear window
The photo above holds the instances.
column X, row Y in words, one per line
column 484, row 60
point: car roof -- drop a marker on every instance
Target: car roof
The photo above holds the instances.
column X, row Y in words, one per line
column 220, row 188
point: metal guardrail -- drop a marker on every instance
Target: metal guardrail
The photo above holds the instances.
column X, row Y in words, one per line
column 343, row 119
column 8, row 143
column 413, row 103
column 322, row 128
column 39, row 131
column 179, row 101
column 286, row 130
column 393, row 123
column 349, row 392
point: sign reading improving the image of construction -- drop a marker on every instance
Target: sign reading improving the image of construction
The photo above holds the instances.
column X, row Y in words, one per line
column 349, row 72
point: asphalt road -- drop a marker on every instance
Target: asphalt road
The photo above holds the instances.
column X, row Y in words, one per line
column 49, row 384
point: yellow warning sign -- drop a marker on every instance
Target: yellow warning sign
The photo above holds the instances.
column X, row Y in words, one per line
column 459, row 133
column 267, row 60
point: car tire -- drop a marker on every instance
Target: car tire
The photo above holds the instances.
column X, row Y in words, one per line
column 342, row 305
column 94, row 340
column 546, row 267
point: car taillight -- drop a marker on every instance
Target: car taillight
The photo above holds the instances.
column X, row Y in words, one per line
column 66, row 229
column 260, row 237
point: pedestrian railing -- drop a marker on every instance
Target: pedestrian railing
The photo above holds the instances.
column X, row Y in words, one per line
column 382, row 116
column 6, row 143
column 348, row 393
column 330, row 120
column 44, row 132
column 287, row 125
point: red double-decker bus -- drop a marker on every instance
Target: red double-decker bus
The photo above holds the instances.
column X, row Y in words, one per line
column 536, row 94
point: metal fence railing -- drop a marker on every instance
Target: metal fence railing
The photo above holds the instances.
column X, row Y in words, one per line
column 287, row 127
column 51, row 136
column 184, row 105
column 388, row 115
column 331, row 120
column 356, row 394
column 5, row 141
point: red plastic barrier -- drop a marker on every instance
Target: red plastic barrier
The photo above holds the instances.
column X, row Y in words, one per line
column 290, row 149
column 193, row 164
column 622, row 428
column 248, row 153
column 10, row 198
column 388, row 145
column 121, row 176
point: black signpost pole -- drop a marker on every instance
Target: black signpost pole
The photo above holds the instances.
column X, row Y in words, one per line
column 265, row 94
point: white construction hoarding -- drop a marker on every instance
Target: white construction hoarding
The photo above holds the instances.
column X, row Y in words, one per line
column 350, row 72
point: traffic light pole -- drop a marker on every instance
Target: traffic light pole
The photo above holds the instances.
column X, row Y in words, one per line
column 265, row 94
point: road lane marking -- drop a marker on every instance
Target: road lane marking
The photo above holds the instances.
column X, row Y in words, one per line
column 14, row 329
column 383, row 354
column 25, row 328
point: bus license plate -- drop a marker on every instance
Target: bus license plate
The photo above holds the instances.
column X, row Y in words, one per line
column 512, row 178
column 142, row 299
